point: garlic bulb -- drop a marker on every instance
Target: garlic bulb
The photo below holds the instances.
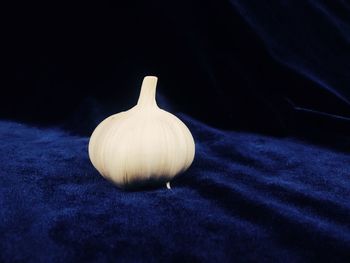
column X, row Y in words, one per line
column 142, row 146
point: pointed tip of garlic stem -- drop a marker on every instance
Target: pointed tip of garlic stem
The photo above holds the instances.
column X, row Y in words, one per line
column 168, row 185
column 148, row 91
column 150, row 78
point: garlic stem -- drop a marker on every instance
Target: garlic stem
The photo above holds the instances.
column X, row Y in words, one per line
column 148, row 92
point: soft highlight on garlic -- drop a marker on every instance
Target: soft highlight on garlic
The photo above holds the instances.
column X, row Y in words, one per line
column 142, row 146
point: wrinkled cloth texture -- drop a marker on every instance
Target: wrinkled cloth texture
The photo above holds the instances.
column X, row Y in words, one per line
column 247, row 197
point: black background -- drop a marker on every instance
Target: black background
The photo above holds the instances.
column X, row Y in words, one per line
column 278, row 67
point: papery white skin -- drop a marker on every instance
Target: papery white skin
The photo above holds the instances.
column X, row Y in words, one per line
column 142, row 145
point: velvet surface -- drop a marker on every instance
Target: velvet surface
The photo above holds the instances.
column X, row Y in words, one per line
column 247, row 198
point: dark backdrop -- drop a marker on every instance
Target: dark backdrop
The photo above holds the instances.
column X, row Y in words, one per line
column 271, row 66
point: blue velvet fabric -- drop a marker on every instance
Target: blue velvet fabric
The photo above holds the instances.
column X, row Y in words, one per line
column 246, row 198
